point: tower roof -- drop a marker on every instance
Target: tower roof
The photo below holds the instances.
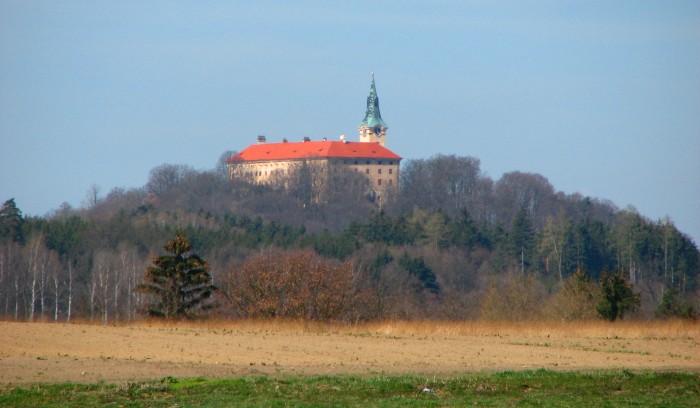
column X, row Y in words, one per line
column 309, row 150
column 373, row 117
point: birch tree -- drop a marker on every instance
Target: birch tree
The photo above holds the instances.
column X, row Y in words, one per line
column 553, row 240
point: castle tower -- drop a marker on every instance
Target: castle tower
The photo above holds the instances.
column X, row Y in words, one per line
column 373, row 128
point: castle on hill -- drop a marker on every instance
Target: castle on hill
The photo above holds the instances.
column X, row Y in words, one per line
column 268, row 163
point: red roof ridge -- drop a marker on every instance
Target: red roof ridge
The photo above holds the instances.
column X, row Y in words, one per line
column 313, row 149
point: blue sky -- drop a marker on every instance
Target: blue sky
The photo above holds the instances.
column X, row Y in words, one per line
column 600, row 97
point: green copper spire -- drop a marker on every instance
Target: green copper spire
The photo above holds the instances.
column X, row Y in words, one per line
column 373, row 118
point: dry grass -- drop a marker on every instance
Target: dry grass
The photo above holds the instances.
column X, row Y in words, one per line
column 596, row 328
column 660, row 329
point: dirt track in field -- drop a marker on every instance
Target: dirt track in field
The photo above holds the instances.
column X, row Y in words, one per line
column 43, row 352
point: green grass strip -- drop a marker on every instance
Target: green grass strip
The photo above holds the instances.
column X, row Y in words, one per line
column 510, row 388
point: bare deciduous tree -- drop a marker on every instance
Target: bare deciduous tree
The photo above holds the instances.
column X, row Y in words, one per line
column 449, row 182
column 292, row 285
column 92, row 197
column 166, row 176
column 516, row 298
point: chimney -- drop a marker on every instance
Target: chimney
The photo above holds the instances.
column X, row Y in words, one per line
column 261, row 139
column 284, row 140
column 307, row 139
column 342, row 139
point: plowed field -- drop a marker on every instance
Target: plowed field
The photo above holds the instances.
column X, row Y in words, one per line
column 45, row 352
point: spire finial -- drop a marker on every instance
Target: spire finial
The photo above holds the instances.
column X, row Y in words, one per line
column 373, row 118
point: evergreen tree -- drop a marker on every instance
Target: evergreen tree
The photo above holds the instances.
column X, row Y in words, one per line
column 673, row 305
column 465, row 232
column 522, row 239
column 618, row 297
column 402, row 232
column 588, row 247
column 11, row 222
column 417, row 267
column 180, row 283
column 383, row 258
column 378, row 229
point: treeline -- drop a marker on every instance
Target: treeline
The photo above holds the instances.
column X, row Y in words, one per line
column 451, row 244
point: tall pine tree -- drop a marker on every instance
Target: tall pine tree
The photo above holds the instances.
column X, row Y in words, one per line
column 11, row 221
column 181, row 284
column 522, row 239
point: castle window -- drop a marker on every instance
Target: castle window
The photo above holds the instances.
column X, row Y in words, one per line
column 379, row 182
column 366, row 171
column 355, row 161
column 380, row 162
column 379, row 171
column 367, row 161
column 391, row 181
column 391, row 162
column 391, row 171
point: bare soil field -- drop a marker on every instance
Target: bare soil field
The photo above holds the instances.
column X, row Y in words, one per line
column 51, row 352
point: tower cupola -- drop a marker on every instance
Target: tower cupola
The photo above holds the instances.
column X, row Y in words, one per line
column 373, row 128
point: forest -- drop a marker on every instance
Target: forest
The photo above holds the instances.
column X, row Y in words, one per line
column 450, row 244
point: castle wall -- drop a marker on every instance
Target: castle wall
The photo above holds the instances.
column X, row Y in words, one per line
column 383, row 174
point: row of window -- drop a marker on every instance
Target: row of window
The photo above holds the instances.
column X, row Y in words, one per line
column 379, row 181
column 260, row 173
column 379, row 171
column 380, row 162
column 285, row 171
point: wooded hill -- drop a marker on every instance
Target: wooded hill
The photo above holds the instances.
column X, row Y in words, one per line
column 451, row 244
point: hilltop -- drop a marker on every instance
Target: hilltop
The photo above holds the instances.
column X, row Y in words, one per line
column 451, row 244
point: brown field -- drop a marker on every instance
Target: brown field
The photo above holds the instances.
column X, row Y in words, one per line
column 46, row 352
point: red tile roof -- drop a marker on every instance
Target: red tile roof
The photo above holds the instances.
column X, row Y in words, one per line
column 306, row 150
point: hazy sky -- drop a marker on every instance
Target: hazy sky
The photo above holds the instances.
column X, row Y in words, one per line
column 600, row 97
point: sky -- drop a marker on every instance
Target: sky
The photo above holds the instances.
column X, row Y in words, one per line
column 600, row 97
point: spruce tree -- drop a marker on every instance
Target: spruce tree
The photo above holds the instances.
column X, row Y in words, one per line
column 418, row 268
column 522, row 239
column 673, row 305
column 181, row 284
column 11, row 221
